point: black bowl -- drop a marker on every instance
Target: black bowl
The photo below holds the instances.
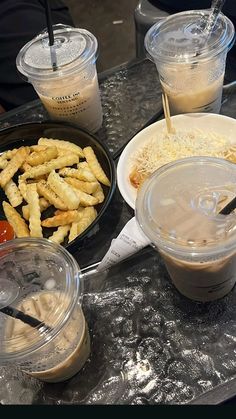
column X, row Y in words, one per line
column 29, row 133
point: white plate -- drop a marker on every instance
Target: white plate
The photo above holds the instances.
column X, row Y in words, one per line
column 219, row 124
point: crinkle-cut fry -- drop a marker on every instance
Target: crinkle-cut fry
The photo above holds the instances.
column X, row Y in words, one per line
column 47, row 192
column 67, row 145
column 63, row 152
column 73, row 231
column 25, row 212
column 13, row 217
column 83, row 164
column 99, row 194
column 34, row 211
column 43, row 205
column 3, row 160
column 60, row 234
column 25, row 166
column 95, row 166
column 89, row 215
column 47, row 167
column 9, row 153
column 22, row 185
column 37, row 148
column 63, row 190
column 3, row 163
column 65, row 217
column 13, row 194
column 80, row 173
column 3, row 156
column 88, row 187
column 57, row 212
column 86, row 200
column 13, row 165
column 37, row 179
column 40, row 157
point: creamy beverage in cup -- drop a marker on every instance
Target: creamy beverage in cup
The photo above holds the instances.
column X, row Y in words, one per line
column 42, row 280
column 190, row 62
column 178, row 210
column 69, row 90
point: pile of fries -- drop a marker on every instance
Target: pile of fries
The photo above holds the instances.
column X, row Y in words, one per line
column 57, row 174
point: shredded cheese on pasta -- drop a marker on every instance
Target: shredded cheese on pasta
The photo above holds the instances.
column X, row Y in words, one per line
column 165, row 148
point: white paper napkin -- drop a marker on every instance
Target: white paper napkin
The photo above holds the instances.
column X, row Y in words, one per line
column 130, row 240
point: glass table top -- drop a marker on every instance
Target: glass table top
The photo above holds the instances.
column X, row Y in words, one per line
column 150, row 345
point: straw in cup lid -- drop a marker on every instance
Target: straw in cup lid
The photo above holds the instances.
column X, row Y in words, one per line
column 74, row 49
column 180, row 37
column 42, row 280
column 178, row 207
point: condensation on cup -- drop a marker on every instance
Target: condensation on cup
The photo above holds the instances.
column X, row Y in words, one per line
column 42, row 280
column 190, row 62
column 178, row 210
column 68, row 89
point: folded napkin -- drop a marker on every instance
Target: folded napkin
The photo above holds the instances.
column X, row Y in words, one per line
column 130, row 240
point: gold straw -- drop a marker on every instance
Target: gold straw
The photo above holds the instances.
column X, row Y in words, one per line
column 165, row 103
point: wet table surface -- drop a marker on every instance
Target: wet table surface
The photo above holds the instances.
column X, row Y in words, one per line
column 149, row 344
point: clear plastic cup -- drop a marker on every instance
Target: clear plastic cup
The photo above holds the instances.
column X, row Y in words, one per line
column 42, row 280
column 69, row 91
column 190, row 62
column 178, row 210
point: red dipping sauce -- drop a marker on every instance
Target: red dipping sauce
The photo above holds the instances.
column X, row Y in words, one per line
column 6, row 231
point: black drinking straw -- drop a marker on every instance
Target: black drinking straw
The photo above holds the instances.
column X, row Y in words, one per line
column 50, row 34
column 25, row 318
column 229, row 207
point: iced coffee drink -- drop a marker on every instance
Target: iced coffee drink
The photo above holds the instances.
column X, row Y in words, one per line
column 203, row 281
column 178, row 208
column 76, row 102
column 203, row 96
column 69, row 88
column 68, row 351
column 189, row 60
column 41, row 281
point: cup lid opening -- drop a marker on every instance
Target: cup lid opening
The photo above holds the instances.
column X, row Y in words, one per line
column 73, row 48
column 180, row 38
column 42, row 280
column 178, row 206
